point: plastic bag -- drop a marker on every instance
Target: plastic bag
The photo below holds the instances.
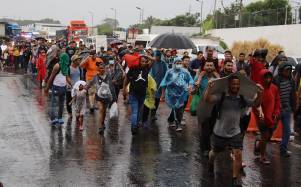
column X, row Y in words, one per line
column 114, row 111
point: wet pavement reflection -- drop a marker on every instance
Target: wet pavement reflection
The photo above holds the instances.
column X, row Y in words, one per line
column 35, row 154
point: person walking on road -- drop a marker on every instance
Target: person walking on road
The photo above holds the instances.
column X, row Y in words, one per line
column 41, row 67
column 197, row 64
column 105, row 93
column 226, row 132
column 58, row 82
column 177, row 85
column 149, row 102
column 74, row 75
column 267, row 114
column 158, row 72
column 80, row 105
column 89, row 64
column 288, row 98
column 117, row 75
column 198, row 93
column 138, row 80
column 228, row 68
column 242, row 66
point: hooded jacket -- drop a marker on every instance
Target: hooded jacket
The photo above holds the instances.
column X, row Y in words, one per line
column 256, row 68
column 270, row 101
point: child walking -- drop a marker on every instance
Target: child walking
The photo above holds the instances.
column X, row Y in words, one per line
column 80, row 105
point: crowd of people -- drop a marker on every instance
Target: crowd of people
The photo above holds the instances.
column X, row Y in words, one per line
column 81, row 78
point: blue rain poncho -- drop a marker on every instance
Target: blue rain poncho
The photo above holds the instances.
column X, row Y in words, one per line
column 158, row 72
column 176, row 83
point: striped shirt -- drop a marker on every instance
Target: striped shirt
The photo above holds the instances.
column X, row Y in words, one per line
column 285, row 89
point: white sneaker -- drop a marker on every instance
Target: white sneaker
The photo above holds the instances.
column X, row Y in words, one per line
column 179, row 129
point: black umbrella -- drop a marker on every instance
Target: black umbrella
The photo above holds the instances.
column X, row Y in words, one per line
column 173, row 41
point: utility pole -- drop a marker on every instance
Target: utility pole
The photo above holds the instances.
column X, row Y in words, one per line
column 92, row 20
column 240, row 13
column 286, row 12
column 201, row 16
column 141, row 12
column 214, row 14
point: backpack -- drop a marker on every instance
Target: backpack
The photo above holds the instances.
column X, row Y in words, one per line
column 216, row 111
column 103, row 91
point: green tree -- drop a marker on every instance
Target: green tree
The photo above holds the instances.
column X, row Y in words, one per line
column 111, row 22
column 184, row 20
column 259, row 13
column 105, row 29
column 208, row 23
column 150, row 21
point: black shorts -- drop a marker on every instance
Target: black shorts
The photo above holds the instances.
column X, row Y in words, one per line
column 219, row 144
column 244, row 123
column 103, row 100
column 263, row 128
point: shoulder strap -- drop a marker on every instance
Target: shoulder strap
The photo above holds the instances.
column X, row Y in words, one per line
column 219, row 105
column 243, row 102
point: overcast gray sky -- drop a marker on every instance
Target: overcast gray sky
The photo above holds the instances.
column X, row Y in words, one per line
column 127, row 14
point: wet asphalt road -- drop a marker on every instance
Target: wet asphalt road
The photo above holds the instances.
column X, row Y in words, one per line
column 34, row 154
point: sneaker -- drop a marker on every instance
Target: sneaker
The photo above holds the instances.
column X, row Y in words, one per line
column 101, row 130
column 179, row 129
column 154, row 118
column 92, row 110
column 183, row 122
column 171, row 124
column 43, row 84
column 285, row 154
column 236, row 182
column 54, row 122
column 61, row 121
column 145, row 125
column 134, row 130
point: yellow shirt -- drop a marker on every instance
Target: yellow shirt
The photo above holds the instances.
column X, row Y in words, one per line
column 150, row 93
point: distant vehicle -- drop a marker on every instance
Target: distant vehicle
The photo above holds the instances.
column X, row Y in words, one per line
column 97, row 41
column 77, row 31
column 61, row 34
column 9, row 30
column 218, row 50
column 144, row 39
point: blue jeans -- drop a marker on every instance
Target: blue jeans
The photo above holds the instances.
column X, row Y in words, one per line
column 57, row 93
column 286, row 129
column 136, row 103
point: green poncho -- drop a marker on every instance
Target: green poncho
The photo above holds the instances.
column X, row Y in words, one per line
column 64, row 63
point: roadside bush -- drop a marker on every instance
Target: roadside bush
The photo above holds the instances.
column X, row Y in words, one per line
column 248, row 47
